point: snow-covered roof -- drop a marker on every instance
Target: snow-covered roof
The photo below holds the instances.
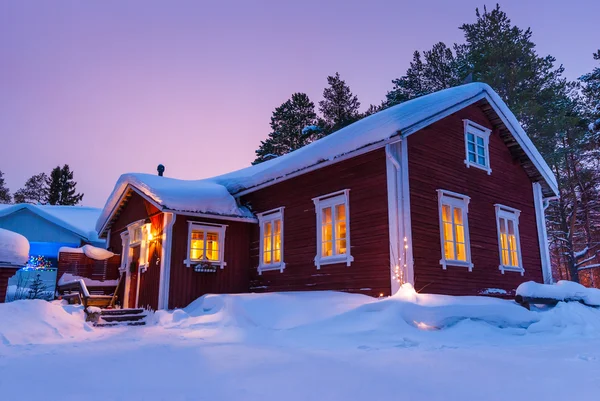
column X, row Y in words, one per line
column 77, row 219
column 169, row 194
column 403, row 119
column 14, row 249
column 90, row 251
column 214, row 195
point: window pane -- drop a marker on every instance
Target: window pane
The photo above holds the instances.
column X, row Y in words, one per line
column 197, row 245
column 472, row 157
column 212, row 246
column 461, row 253
column 471, row 147
column 340, row 212
column 326, row 248
column 470, row 137
column 326, row 215
column 340, row 230
column 267, row 257
column 481, row 160
column 479, row 141
column 278, row 227
column 460, row 233
column 449, row 250
column 446, row 214
column 480, row 151
column 340, row 247
column 458, row 218
column 267, row 229
column 277, row 256
column 515, row 259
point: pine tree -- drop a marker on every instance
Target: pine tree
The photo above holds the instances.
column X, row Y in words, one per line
column 288, row 124
column 591, row 92
column 37, row 288
column 440, row 68
column 61, row 187
column 35, row 190
column 4, row 191
column 339, row 106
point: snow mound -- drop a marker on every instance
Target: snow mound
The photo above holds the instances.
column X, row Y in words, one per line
column 310, row 314
column 14, row 248
column 561, row 291
column 195, row 196
column 36, row 322
column 90, row 251
column 68, row 278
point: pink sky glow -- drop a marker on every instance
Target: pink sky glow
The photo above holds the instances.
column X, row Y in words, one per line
column 120, row 86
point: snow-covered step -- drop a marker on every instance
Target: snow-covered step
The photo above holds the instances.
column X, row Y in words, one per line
column 122, row 318
column 117, row 312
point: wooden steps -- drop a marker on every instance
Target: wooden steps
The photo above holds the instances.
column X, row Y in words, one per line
column 119, row 317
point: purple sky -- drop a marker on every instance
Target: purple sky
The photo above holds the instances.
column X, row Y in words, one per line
column 117, row 86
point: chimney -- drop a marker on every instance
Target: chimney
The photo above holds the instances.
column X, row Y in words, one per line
column 160, row 169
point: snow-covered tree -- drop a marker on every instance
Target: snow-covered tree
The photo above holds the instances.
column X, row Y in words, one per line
column 4, row 191
column 35, row 190
column 339, row 106
column 62, row 187
column 591, row 92
column 288, row 128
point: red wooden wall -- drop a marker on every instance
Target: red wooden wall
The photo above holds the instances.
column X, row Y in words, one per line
column 5, row 274
column 436, row 157
column 365, row 176
column 186, row 284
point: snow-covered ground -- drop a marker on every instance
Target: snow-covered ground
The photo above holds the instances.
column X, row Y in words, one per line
column 306, row 346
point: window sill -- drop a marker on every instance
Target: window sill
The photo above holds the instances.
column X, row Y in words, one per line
column 331, row 260
column 266, row 268
column 515, row 269
column 479, row 166
column 457, row 263
column 194, row 262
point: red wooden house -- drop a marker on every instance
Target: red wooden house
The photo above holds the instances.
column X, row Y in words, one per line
column 446, row 192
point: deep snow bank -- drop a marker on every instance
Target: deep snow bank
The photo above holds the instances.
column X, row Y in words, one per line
column 342, row 314
column 38, row 322
column 14, row 248
column 561, row 291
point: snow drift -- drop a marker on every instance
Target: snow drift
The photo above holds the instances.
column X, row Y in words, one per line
column 14, row 248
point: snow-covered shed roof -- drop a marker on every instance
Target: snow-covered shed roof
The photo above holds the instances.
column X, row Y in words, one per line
column 217, row 195
column 400, row 120
column 169, row 194
column 14, row 249
column 77, row 219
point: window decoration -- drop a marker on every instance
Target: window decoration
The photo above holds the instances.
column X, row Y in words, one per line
column 271, row 240
column 454, row 229
column 507, row 221
column 333, row 229
column 477, row 140
column 205, row 245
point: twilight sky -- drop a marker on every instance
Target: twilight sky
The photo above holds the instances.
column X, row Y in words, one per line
column 118, row 86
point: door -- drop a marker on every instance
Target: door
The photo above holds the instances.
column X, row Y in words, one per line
column 134, row 270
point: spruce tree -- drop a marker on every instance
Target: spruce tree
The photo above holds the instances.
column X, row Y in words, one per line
column 339, row 106
column 61, row 187
column 35, row 190
column 288, row 124
column 440, row 68
column 4, row 191
column 591, row 92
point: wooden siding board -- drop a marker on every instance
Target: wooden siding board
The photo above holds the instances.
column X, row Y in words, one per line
column 436, row 157
column 365, row 176
column 186, row 285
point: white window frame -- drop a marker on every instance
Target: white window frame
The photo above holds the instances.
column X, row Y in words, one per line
column 263, row 218
column 454, row 199
column 143, row 242
column 508, row 213
column 206, row 227
column 482, row 132
column 330, row 200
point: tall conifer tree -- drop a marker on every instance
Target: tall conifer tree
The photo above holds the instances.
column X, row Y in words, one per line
column 339, row 106
column 62, row 187
column 4, row 191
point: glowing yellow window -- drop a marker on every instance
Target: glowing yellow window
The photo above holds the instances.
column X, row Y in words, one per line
column 204, row 245
column 454, row 229
column 508, row 238
column 271, row 235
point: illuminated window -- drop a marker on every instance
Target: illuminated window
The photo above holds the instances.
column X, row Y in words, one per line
column 477, row 139
column 271, row 240
column 454, row 229
column 333, row 229
column 205, row 244
column 139, row 233
column 507, row 220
